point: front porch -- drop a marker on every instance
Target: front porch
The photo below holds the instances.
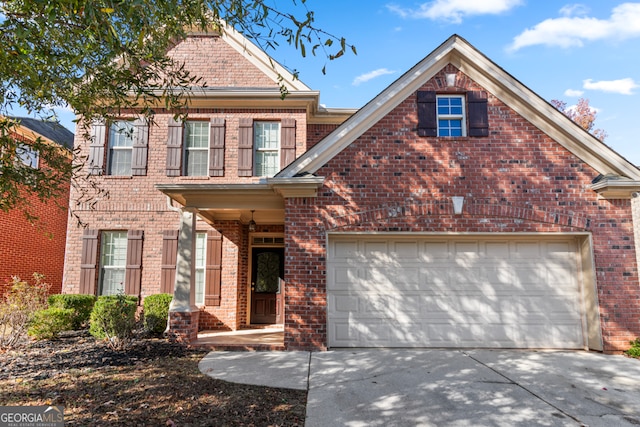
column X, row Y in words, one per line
column 263, row 338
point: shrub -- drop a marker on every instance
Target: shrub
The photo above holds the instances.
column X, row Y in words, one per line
column 48, row 323
column 634, row 351
column 113, row 319
column 18, row 307
column 156, row 312
column 80, row 304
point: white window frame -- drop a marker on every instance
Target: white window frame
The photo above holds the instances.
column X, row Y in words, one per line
column 452, row 116
column 28, row 156
column 120, row 131
column 200, row 261
column 188, row 150
column 112, row 263
column 259, row 142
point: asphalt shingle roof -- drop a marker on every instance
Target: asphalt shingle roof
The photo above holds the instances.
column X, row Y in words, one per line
column 51, row 130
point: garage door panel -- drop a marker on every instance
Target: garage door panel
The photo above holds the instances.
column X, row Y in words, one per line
column 460, row 292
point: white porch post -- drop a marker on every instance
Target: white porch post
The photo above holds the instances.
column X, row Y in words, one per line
column 184, row 289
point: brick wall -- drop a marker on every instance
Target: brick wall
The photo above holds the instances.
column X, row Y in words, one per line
column 218, row 64
column 27, row 248
column 515, row 180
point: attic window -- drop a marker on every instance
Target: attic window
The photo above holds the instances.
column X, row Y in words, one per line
column 453, row 114
column 451, row 118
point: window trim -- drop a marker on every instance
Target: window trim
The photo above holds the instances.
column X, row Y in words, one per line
column 186, row 149
column 103, row 267
column 257, row 149
column 462, row 117
column 131, row 138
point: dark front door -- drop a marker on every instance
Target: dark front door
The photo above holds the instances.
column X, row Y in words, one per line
column 267, row 272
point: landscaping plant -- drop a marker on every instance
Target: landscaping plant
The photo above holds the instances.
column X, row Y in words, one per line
column 113, row 319
column 156, row 313
column 634, row 351
column 48, row 323
column 18, row 307
column 81, row 305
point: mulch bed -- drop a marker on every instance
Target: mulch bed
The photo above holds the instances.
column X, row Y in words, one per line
column 153, row 382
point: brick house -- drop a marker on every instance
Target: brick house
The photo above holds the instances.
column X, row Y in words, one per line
column 27, row 247
column 456, row 209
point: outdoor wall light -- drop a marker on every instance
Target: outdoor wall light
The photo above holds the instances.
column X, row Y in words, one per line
column 457, row 201
column 451, row 79
column 252, row 223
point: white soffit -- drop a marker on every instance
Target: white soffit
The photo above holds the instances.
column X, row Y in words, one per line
column 495, row 80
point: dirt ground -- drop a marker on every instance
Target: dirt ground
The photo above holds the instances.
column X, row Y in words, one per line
column 154, row 382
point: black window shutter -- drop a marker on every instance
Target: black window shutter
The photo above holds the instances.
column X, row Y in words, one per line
column 427, row 120
column 478, row 114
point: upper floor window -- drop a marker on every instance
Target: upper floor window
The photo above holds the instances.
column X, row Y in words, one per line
column 120, row 148
column 196, row 148
column 451, row 118
column 27, row 155
column 267, row 148
column 196, row 155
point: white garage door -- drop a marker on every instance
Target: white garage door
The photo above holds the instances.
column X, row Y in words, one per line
column 402, row 291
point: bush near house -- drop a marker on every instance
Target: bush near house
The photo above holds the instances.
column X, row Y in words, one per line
column 80, row 304
column 18, row 307
column 634, row 351
column 113, row 319
column 48, row 323
column 156, row 313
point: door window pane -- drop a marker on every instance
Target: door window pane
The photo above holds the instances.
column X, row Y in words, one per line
column 200, row 260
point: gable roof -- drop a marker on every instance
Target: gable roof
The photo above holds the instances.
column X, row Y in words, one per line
column 494, row 79
column 52, row 131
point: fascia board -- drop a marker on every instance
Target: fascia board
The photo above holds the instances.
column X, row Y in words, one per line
column 371, row 113
column 260, row 59
column 542, row 114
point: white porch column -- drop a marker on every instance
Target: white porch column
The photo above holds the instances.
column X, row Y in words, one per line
column 184, row 290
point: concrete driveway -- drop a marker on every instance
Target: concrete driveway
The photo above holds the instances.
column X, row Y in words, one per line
column 447, row 387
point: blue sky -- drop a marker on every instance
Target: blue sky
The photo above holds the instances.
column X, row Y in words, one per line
column 560, row 50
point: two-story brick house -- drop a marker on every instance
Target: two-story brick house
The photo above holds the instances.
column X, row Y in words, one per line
column 37, row 246
column 455, row 209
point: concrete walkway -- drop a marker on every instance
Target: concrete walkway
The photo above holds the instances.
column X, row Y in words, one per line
column 446, row 387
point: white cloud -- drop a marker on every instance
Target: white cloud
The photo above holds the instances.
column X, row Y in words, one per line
column 574, row 10
column 570, row 31
column 573, row 92
column 454, row 10
column 621, row 86
column 371, row 75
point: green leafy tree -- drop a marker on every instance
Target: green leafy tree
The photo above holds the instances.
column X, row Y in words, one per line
column 101, row 57
column 582, row 114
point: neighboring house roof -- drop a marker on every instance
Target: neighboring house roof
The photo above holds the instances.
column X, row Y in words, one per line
column 494, row 79
column 52, row 131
